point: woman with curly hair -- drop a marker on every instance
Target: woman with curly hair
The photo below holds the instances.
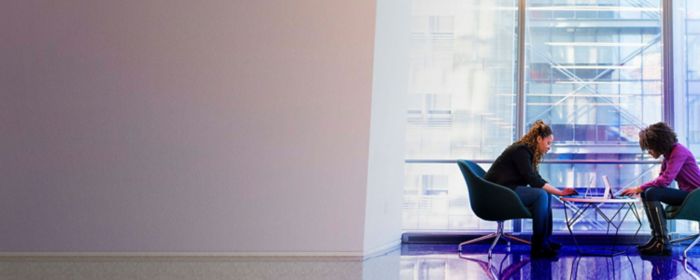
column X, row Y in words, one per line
column 517, row 168
column 678, row 164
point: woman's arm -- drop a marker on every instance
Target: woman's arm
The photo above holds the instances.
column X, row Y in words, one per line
column 523, row 163
column 669, row 170
column 631, row 190
column 553, row 190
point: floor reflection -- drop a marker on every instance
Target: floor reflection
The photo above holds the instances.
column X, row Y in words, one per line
column 690, row 269
column 508, row 267
column 419, row 262
column 445, row 263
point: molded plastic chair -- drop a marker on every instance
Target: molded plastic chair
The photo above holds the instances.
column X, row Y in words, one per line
column 491, row 202
column 689, row 210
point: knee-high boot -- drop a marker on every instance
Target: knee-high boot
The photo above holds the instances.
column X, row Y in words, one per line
column 657, row 219
column 652, row 240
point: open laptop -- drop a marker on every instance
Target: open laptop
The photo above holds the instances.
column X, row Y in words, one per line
column 607, row 190
column 586, row 194
column 617, row 194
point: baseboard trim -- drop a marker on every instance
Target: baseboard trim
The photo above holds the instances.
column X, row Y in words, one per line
column 333, row 256
column 258, row 256
column 383, row 249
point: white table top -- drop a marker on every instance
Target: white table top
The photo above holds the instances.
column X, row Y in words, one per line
column 600, row 199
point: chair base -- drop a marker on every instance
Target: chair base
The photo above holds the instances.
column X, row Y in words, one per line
column 685, row 252
column 496, row 236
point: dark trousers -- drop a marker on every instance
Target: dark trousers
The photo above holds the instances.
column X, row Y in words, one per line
column 539, row 202
column 665, row 195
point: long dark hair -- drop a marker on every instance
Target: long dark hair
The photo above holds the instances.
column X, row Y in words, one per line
column 538, row 129
column 658, row 137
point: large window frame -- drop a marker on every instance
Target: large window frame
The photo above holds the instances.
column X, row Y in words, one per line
column 520, row 99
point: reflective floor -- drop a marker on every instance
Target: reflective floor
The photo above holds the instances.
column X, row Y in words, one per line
column 410, row 262
column 420, row 263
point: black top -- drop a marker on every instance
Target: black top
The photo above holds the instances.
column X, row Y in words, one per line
column 514, row 168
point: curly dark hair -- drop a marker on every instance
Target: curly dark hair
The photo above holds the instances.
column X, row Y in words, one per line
column 658, row 137
column 539, row 128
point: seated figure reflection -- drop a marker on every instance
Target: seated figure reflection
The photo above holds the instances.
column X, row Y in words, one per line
column 495, row 269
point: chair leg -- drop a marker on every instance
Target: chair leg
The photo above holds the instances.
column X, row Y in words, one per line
column 488, row 236
column 496, row 236
column 499, row 233
column 685, row 252
column 685, row 238
column 510, row 236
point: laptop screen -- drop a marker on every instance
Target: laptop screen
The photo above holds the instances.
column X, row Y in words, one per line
column 607, row 193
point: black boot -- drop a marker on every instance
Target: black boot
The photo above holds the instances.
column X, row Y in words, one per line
column 542, row 251
column 652, row 240
column 554, row 245
column 657, row 219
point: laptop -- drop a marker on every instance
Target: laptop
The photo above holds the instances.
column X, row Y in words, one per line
column 591, row 183
column 617, row 194
column 607, row 190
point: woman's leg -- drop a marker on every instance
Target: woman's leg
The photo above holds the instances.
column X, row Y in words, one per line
column 665, row 195
column 550, row 224
column 652, row 198
column 548, row 232
column 651, row 240
column 537, row 201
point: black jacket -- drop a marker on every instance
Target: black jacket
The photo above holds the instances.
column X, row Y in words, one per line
column 514, row 168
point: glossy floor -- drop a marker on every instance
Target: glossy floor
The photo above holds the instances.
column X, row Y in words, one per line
column 410, row 262
column 572, row 263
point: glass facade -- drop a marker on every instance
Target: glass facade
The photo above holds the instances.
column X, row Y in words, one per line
column 687, row 68
column 461, row 103
column 593, row 71
column 686, row 81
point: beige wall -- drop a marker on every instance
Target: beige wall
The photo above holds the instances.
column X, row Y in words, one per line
column 186, row 126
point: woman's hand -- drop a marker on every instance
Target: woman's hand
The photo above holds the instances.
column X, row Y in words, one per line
column 555, row 191
column 631, row 191
column 568, row 191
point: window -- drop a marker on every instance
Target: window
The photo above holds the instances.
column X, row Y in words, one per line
column 461, row 103
column 686, row 51
column 593, row 71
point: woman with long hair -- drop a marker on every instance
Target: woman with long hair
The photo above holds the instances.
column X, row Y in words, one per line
column 678, row 164
column 518, row 168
